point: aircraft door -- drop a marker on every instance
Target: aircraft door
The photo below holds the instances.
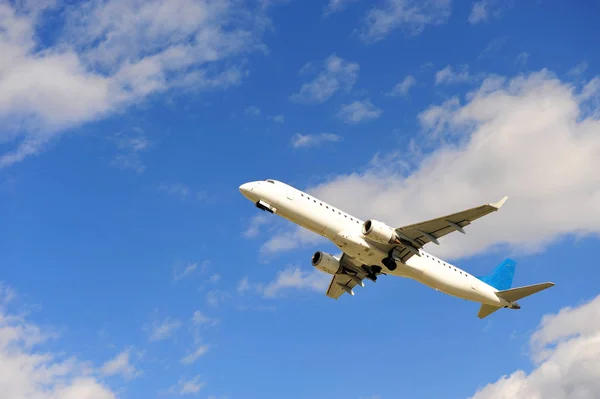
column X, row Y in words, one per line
column 290, row 193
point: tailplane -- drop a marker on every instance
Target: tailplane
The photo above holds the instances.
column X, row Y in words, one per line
column 501, row 278
column 515, row 294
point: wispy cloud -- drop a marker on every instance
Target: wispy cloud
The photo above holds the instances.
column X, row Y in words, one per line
column 181, row 272
column 252, row 110
column 109, row 55
column 289, row 279
column 359, row 111
column 337, row 74
column 336, row 6
column 483, row 9
column 120, row 365
column 277, row 118
column 402, row 88
column 448, row 75
column 187, row 386
column 195, row 355
column 130, row 147
column 578, row 69
column 255, row 224
column 411, row 15
column 161, row 330
column 313, row 140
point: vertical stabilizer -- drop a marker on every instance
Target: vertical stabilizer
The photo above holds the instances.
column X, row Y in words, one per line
column 501, row 277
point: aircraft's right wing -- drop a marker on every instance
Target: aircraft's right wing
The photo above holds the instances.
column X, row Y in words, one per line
column 342, row 283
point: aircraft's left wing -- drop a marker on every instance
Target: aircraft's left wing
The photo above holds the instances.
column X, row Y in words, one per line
column 419, row 234
column 345, row 282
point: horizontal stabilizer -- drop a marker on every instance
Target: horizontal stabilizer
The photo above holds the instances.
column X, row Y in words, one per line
column 514, row 294
column 486, row 310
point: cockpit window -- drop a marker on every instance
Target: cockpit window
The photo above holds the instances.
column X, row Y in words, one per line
column 270, row 181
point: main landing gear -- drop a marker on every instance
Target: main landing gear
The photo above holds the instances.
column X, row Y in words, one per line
column 389, row 262
column 372, row 272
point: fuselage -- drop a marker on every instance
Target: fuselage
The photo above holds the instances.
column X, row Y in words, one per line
column 345, row 231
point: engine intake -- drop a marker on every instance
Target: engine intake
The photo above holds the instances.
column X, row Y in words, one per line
column 326, row 262
column 380, row 232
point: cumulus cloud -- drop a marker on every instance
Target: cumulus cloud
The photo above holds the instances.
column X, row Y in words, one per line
column 27, row 370
column 359, row 111
column 533, row 138
column 565, row 349
column 402, row 88
column 313, row 140
column 411, row 15
column 109, row 55
column 337, row 74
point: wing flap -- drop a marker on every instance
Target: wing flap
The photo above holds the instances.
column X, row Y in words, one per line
column 345, row 282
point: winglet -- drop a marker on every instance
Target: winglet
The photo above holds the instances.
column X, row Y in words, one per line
column 499, row 204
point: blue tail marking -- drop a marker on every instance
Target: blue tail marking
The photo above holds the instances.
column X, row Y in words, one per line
column 501, row 277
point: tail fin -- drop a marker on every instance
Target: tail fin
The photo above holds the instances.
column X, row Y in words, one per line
column 521, row 292
column 501, row 277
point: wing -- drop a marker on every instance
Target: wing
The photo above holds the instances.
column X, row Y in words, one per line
column 415, row 236
column 344, row 282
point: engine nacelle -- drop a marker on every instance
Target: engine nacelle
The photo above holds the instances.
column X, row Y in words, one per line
column 326, row 262
column 379, row 232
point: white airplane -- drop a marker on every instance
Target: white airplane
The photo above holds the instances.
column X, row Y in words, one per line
column 371, row 248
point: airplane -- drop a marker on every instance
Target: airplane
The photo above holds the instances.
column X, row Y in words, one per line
column 371, row 248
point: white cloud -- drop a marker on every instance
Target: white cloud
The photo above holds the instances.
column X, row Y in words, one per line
column 412, row 15
column 291, row 278
column 313, row 140
column 121, row 365
column 255, row 223
column 578, row 70
column 338, row 74
column 277, row 118
column 27, row 370
column 187, row 386
column 402, row 88
column 287, row 240
column 195, row 355
column 296, row 278
column 522, row 59
column 163, row 329
column 200, row 319
column 188, row 269
column 336, row 6
column 448, row 75
column 252, row 110
column 359, row 111
column 565, row 351
column 532, row 137
column 482, row 10
column 111, row 54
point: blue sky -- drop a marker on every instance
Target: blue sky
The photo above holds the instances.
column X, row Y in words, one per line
column 133, row 264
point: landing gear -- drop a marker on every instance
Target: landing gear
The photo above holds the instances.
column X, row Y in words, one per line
column 389, row 263
column 371, row 272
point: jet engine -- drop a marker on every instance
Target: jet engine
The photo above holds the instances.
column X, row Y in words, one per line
column 379, row 232
column 326, row 262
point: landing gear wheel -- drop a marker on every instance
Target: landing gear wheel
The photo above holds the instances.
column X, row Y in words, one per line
column 389, row 263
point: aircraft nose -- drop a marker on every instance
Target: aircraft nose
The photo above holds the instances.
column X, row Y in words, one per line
column 245, row 189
